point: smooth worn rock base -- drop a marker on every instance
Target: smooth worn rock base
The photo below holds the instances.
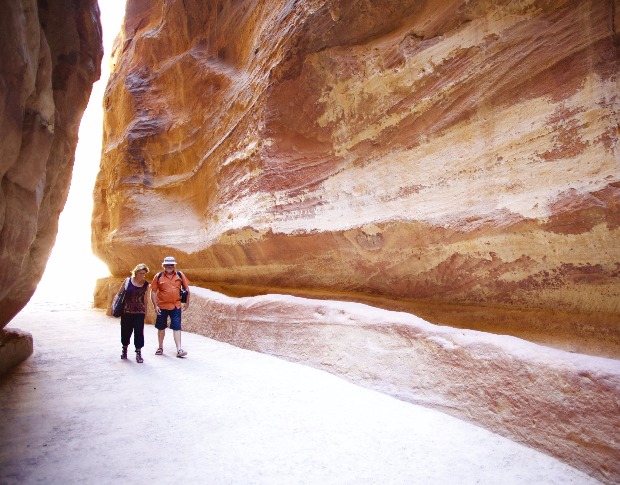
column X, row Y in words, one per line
column 76, row 413
column 561, row 403
column 15, row 346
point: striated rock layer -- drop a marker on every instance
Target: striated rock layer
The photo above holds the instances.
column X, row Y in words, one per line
column 454, row 158
column 50, row 56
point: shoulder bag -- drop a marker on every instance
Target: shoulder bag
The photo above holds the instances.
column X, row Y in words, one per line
column 119, row 300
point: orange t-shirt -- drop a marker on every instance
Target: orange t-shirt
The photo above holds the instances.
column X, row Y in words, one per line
column 168, row 290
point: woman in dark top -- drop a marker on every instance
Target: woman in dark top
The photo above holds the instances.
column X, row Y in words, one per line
column 134, row 311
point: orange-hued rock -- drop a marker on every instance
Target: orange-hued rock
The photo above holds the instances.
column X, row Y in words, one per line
column 453, row 158
column 50, row 56
column 561, row 403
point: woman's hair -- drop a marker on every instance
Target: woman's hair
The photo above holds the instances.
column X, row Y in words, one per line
column 138, row 268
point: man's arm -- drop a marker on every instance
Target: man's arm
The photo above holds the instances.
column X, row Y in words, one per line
column 186, row 285
column 154, row 298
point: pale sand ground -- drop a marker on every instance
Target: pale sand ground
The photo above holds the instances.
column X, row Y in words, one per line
column 75, row 413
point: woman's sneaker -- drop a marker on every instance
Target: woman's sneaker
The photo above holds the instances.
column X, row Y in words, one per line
column 181, row 353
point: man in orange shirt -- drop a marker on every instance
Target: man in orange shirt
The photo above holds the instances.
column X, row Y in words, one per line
column 166, row 297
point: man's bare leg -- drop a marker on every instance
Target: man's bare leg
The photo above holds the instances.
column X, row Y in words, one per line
column 177, row 341
column 160, row 338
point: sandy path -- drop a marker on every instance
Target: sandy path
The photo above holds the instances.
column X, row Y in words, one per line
column 75, row 413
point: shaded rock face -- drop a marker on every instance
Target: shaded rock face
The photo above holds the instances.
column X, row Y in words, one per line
column 50, row 56
column 439, row 157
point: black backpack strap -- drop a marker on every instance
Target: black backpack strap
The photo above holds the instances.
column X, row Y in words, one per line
column 181, row 276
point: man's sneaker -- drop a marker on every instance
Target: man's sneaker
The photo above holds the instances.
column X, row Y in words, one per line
column 181, row 353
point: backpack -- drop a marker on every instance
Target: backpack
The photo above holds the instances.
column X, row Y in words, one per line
column 183, row 289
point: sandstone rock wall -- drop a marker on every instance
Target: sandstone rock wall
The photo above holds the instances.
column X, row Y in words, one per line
column 457, row 159
column 50, row 56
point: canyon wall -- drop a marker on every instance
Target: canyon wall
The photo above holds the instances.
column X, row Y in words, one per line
column 455, row 159
column 50, row 56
